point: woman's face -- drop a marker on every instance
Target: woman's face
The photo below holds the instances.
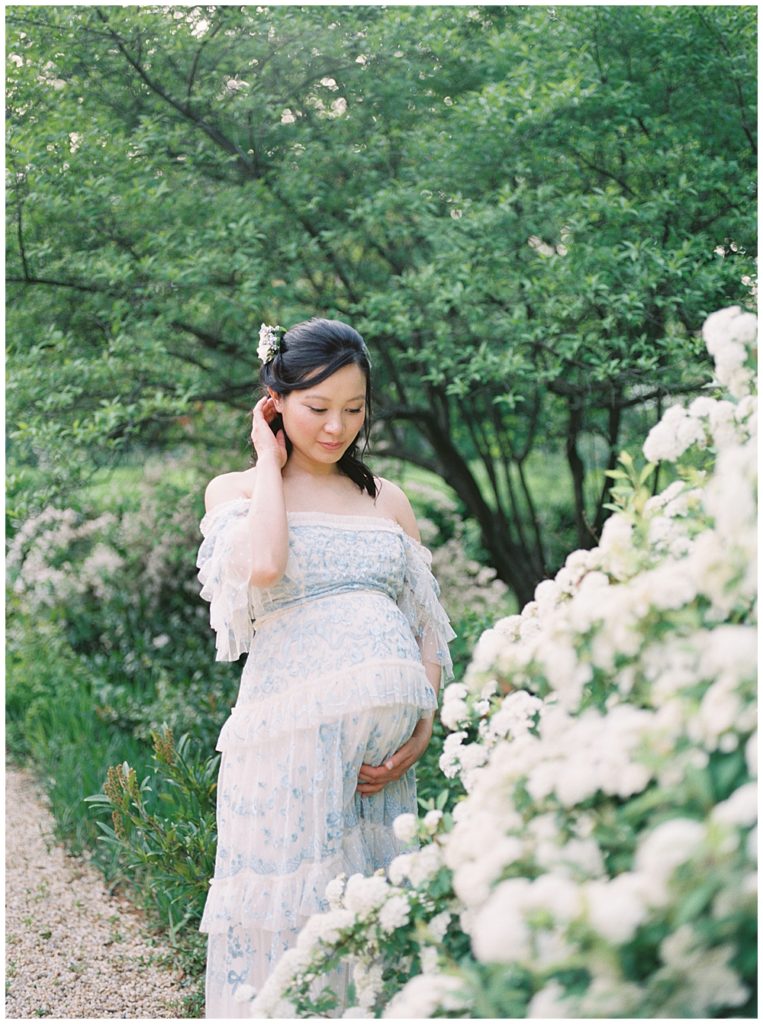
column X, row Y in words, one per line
column 323, row 421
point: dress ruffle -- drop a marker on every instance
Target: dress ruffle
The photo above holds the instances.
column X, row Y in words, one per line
column 224, row 577
column 420, row 603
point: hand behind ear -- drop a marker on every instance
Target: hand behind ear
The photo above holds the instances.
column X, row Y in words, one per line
column 264, row 440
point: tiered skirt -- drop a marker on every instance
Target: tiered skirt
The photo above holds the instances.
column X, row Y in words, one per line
column 289, row 818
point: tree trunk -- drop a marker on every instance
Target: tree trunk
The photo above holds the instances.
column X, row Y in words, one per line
column 509, row 559
column 577, row 471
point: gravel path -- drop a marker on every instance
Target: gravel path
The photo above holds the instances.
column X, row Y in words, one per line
column 72, row 950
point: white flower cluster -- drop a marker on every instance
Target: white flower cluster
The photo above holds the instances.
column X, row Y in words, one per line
column 269, row 342
column 365, row 922
column 729, row 335
column 39, row 559
column 59, row 556
column 731, row 338
column 600, row 711
column 372, row 907
column 425, row 994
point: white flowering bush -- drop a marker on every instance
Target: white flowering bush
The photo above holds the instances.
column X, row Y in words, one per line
column 119, row 590
column 41, row 558
column 602, row 862
column 385, row 929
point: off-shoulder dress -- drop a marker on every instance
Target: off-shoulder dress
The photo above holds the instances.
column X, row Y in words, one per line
column 334, row 677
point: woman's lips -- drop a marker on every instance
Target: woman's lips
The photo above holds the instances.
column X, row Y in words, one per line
column 331, row 447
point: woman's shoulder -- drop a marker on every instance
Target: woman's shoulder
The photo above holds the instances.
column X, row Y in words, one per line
column 227, row 486
column 397, row 505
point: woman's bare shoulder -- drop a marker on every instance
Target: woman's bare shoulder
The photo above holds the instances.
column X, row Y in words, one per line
column 397, row 505
column 228, row 486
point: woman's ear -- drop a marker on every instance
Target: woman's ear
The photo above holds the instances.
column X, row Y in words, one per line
column 277, row 399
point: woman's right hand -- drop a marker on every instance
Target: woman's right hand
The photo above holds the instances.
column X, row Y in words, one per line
column 264, row 440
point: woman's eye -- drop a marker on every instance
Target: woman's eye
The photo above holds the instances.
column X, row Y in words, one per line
column 323, row 410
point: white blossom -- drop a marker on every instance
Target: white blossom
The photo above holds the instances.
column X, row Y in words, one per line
column 269, row 341
column 500, row 933
column 741, row 808
column 325, row 927
column 516, row 714
column 424, row 864
column 364, row 894
column 368, row 983
column 661, row 851
column 438, row 925
column 334, row 891
column 549, row 1003
column 454, row 713
column 394, row 914
column 432, row 820
column 399, row 867
column 617, row 906
column 425, row 993
column 609, row 996
column 405, row 827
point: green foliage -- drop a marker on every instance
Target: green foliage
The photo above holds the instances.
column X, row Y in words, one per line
column 163, row 828
column 527, row 211
column 52, row 725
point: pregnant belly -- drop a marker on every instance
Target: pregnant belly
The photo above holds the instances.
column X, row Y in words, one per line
column 384, row 730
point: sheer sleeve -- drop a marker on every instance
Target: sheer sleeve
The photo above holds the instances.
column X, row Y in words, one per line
column 224, row 562
column 419, row 601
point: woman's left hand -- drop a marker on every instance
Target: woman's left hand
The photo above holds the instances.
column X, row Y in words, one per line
column 373, row 780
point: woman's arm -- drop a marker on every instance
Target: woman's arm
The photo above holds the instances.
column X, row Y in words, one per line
column 267, row 524
column 264, row 537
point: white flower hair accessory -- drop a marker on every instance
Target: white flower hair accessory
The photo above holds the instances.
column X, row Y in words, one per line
column 270, row 341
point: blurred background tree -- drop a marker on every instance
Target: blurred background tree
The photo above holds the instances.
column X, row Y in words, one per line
column 527, row 211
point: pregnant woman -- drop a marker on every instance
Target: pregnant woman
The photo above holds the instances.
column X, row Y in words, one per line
column 314, row 566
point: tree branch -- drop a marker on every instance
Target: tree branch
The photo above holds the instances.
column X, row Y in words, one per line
column 182, row 108
column 602, row 170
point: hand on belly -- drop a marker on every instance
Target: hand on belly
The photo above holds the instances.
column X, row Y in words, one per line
column 372, row 779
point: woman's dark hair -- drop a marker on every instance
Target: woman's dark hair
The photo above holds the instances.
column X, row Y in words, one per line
column 331, row 344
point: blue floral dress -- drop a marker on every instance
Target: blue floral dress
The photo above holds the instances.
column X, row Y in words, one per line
column 334, row 677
